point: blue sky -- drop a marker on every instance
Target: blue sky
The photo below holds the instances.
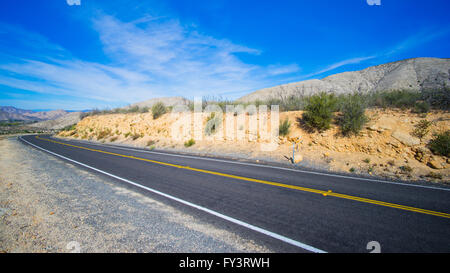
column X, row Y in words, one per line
column 106, row 54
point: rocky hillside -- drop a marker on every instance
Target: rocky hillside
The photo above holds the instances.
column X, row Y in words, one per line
column 411, row 74
column 59, row 123
column 168, row 101
column 386, row 147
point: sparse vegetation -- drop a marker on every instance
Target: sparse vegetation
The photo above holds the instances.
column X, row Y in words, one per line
column 150, row 142
column 158, row 109
column 394, row 99
column 104, row 133
column 113, row 139
column 352, row 170
column 136, row 136
column 440, row 144
column 319, row 111
column 284, row 127
column 405, row 169
column 70, row 127
column 367, row 160
column 189, row 143
column 433, row 175
column 422, row 128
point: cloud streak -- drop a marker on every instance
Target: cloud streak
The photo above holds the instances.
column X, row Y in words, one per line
column 150, row 57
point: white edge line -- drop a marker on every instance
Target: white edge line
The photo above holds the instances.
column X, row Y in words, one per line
column 225, row 217
column 264, row 166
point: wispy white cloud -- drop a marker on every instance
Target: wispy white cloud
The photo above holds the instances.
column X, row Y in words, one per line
column 73, row 2
column 343, row 63
column 150, row 57
column 421, row 37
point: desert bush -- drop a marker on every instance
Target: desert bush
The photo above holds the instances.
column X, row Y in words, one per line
column 134, row 109
column 353, row 117
column 189, row 143
column 158, row 109
column 113, row 139
column 284, row 127
column 437, row 98
column 70, row 127
column 150, row 142
column 136, row 136
column 440, row 144
column 421, row 107
column 394, row 98
column 144, row 109
column 434, row 175
column 213, row 121
column 406, row 169
column 104, row 133
column 319, row 111
column 422, row 128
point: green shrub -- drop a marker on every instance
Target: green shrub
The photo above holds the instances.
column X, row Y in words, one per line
column 158, row 109
column 440, row 144
column 189, row 143
column 394, row 98
column 212, row 123
column 319, row 111
column 422, row 128
column 134, row 109
column 406, row 169
column 70, row 127
column 136, row 136
column 104, row 133
column 421, row 107
column 144, row 109
column 437, row 98
column 284, row 127
column 353, row 116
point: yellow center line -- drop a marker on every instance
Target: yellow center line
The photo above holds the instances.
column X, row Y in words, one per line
column 304, row 189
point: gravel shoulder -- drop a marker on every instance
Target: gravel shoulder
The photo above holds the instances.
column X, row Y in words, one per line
column 47, row 205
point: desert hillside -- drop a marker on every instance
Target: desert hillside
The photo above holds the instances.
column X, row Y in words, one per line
column 384, row 148
column 412, row 74
column 58, row 123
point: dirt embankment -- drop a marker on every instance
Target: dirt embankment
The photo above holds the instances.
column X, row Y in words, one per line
column 386, row 147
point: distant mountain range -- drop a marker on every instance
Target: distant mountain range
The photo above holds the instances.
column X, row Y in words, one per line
column 410, row 74
column 13, row 113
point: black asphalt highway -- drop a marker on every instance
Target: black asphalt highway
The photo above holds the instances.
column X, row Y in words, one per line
column 292, row 210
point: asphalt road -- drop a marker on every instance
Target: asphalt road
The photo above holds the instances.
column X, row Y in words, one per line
column 293, row 210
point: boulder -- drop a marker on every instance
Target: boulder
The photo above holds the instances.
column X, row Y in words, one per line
column 405, row 138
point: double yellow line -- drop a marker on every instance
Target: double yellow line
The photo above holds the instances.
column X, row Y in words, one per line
column 304, row 189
